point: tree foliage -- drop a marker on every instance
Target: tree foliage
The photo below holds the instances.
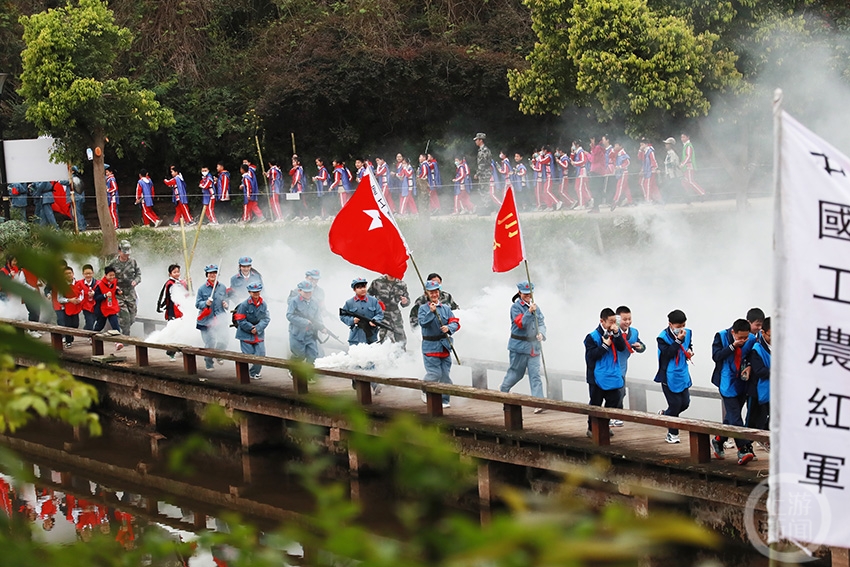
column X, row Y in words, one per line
column 630, row 60
column 645, row 62
column 73, row 92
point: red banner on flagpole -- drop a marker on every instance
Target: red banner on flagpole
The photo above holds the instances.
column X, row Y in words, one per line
column 365, row 233
column 508, row 247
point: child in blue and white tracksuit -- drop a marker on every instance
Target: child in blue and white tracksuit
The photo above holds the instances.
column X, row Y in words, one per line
column 602, row 347
column 633, row 344
column 252, row 318
column 758, row 404
column 730, row 350
column 675, row 349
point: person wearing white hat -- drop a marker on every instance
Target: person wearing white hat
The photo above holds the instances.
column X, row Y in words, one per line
column 671, row 164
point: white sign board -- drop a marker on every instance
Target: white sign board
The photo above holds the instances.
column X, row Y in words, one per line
column 810, row 382
column 29, row 161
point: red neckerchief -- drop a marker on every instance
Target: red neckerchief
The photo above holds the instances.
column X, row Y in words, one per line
column 256, row 303
column 358, row 298
column 629, row 347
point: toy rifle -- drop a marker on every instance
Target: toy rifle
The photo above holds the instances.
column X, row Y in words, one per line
column 366, row 323
column 322, row 329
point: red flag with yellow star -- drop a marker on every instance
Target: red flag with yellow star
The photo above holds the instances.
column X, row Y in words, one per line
column 508, row 247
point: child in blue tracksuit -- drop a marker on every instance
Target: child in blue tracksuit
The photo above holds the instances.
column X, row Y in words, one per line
column 602, row 348
column 438, row 324
column 633, row 345
column 758, row 380
column 729, row 351
column 252, row 318
column 675, row 349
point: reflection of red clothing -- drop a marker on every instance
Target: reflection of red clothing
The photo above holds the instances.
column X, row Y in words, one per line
column 6, row 497
column 87, row 519
column 125, row 533
column 48, row 509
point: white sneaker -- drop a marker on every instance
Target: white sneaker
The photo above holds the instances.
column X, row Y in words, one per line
column 446, row 405
column 378, row 388
column 209, row 369
column 673, row 438
column 616, row 423
column 219, row 361
column 157, row 223
column 172, row 357
column 256, row 377
column 539, row 410
column 730, row 444
column 34, row 334
column 424, row 398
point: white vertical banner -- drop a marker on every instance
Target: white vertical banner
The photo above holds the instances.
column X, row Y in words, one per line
column 810, row 381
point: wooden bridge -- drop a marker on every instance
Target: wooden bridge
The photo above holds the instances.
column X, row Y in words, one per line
column 499, row 430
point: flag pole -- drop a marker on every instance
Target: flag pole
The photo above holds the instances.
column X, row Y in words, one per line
column 185, row 253
column 440, row 319
column 779, row 291
column 537, row 330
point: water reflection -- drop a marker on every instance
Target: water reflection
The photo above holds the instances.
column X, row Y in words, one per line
column 63, row 508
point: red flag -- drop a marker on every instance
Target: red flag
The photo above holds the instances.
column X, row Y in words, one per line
column 508, row 248
column 365, row 233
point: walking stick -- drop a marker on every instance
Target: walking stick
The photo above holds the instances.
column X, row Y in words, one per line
column 294, row 153
column 440, row 319
column 73, row 199
column 197, row 235
column 265, row 179
column 186, row 254
column 537, row 332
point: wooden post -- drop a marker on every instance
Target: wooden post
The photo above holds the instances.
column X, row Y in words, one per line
column 485, row 490
column 599, row 431
column 190, row 364
column 840, row 556
column 513, row 417
column 364, row 392
column 637, row 398
column 242, row 375
column 56, row 341
column 299, row 383
column 479, row 377
column 434, row 404
column 142, row 356
column 556, row 389
column 96, row 347
column 700, row 447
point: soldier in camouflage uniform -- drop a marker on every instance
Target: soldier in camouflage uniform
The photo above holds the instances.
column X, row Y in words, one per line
column 392, row 292
column 128, row 275
column 484, row 159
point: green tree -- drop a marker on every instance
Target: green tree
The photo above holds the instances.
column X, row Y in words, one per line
column 74, row 93
column 630, row 61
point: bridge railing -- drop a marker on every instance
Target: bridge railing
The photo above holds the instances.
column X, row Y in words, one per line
column 700, row 431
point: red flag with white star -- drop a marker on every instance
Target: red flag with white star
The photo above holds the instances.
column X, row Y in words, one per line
column 508, row 247
column 365, row 233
